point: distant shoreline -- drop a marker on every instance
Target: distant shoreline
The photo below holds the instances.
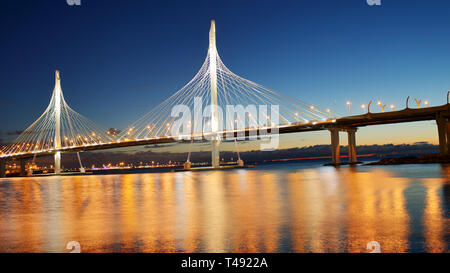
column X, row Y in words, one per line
column 422, row 159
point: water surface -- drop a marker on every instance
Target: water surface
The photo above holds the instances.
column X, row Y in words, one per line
column 273, row 208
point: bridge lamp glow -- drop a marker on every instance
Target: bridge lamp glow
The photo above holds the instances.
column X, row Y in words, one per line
column 349, row 104
column 426, row 103
column 312, row 107
column 381, row 106
column 392, row 107
column 328, row 110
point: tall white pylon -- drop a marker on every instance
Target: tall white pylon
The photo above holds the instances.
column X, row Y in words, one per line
column 58, row 128
column 57, row 92
column 216, row 85
column 215, row 160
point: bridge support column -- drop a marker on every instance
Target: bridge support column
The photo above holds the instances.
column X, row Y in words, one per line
column 335, row 149
column 187, row 165
column 2, row 168
column 57, row 162
column 447, row 133
column 352, row 145
column 22, row 167
column 443, row 135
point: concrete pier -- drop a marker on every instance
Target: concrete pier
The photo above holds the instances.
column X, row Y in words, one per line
column 2, row 168
column 352, row 145
column 443, row 127
column 335, row 148
column 23, row 172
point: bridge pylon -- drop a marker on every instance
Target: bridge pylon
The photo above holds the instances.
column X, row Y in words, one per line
column 57, row 95
column 58, row 129
column 217, row 104
column 215, row 141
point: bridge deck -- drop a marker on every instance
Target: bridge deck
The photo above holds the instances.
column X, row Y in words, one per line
column 406, row 115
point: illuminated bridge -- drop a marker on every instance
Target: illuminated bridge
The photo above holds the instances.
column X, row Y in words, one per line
column 60, row 129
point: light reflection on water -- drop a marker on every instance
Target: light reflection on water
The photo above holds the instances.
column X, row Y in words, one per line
column 272, row 208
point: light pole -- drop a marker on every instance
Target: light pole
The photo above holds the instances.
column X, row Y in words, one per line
column 392, row 107
column 349, row 104
column 363, row 107
column 418, row 102
column 426, row 103
column 381, row 106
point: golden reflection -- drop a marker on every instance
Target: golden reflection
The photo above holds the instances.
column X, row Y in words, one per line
column 149, row 216
column 84, row 203
column 376, row 211
column 269, row 220
column 289, row 210
column 244, row 211
column 214, row 214
column 166, row 213
column 434, row 223
column 315, row 225
column 29, row 217
column 128, row 221
column 190, row 224
column 299, row 213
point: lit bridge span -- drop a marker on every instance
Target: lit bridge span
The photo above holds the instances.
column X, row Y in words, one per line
column 60, row 129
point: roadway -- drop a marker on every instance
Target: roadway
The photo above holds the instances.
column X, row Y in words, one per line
column 349, row 122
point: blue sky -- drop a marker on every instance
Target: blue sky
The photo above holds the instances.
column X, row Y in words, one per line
column 120, row 58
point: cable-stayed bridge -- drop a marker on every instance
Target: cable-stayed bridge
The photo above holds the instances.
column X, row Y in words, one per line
column 60, row 129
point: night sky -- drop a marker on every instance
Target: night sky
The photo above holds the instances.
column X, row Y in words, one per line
column 120, row 58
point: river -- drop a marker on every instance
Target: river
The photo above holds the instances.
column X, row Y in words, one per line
column 288, row 207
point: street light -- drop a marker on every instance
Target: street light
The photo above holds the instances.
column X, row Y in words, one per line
column 363, row 106
column 418, row 102
column 381, row 106
column 392, row 107
column 349, row 104
column 426, row 103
